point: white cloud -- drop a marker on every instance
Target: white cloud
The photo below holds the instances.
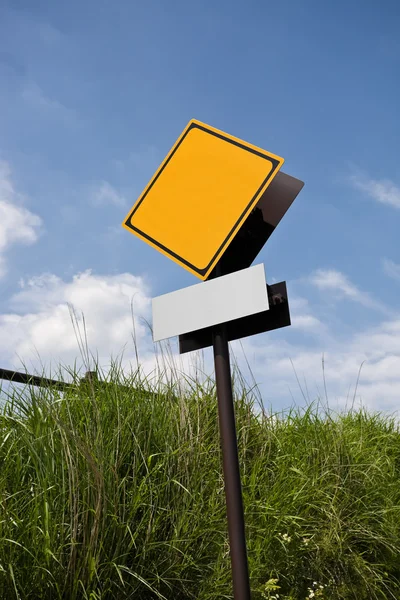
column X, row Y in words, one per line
column 288, row 367
column 41, row 320
column 289, row 371
column 38, row 324
column 391, row 268
column 306, row 323
column 112, row 312
column 105, row 194
column 302, row 318
column 381, row 190
column 17, row 224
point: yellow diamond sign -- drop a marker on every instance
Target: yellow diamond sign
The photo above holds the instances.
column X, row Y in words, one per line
column 201, row 195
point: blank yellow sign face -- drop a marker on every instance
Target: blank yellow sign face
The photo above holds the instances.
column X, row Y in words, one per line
column 201, row 195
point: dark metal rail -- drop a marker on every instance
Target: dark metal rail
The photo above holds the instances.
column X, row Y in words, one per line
column 27, row 379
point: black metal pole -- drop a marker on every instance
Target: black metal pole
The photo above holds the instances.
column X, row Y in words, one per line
column 36, row 380
column 233, row 489
column 27, row 379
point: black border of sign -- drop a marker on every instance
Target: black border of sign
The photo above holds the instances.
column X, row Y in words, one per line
column 201, row 272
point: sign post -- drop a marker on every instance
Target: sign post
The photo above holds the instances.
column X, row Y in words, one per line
column 230, row 461
column 211, row 206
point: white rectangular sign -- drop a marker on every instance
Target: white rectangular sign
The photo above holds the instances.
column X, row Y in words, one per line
column 217, row 301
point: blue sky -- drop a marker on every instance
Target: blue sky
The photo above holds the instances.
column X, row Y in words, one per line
column 93, row 95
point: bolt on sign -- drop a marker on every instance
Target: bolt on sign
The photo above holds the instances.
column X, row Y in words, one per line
column 201, row 195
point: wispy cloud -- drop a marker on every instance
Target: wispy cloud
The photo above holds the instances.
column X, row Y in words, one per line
column 11, row 63
column 389, row 46
column 384, row 191
column 340, row 284
column 34, row 95
column 147, row 158
column 17, row 224
column 391, row 269
column 105, row 194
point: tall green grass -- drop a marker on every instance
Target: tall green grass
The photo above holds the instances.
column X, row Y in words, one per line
column 114, row 491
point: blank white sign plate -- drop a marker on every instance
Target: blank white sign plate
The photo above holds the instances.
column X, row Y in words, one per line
column 209, row 303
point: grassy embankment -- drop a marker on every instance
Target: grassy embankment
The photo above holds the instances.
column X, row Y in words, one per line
column 112, row 492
